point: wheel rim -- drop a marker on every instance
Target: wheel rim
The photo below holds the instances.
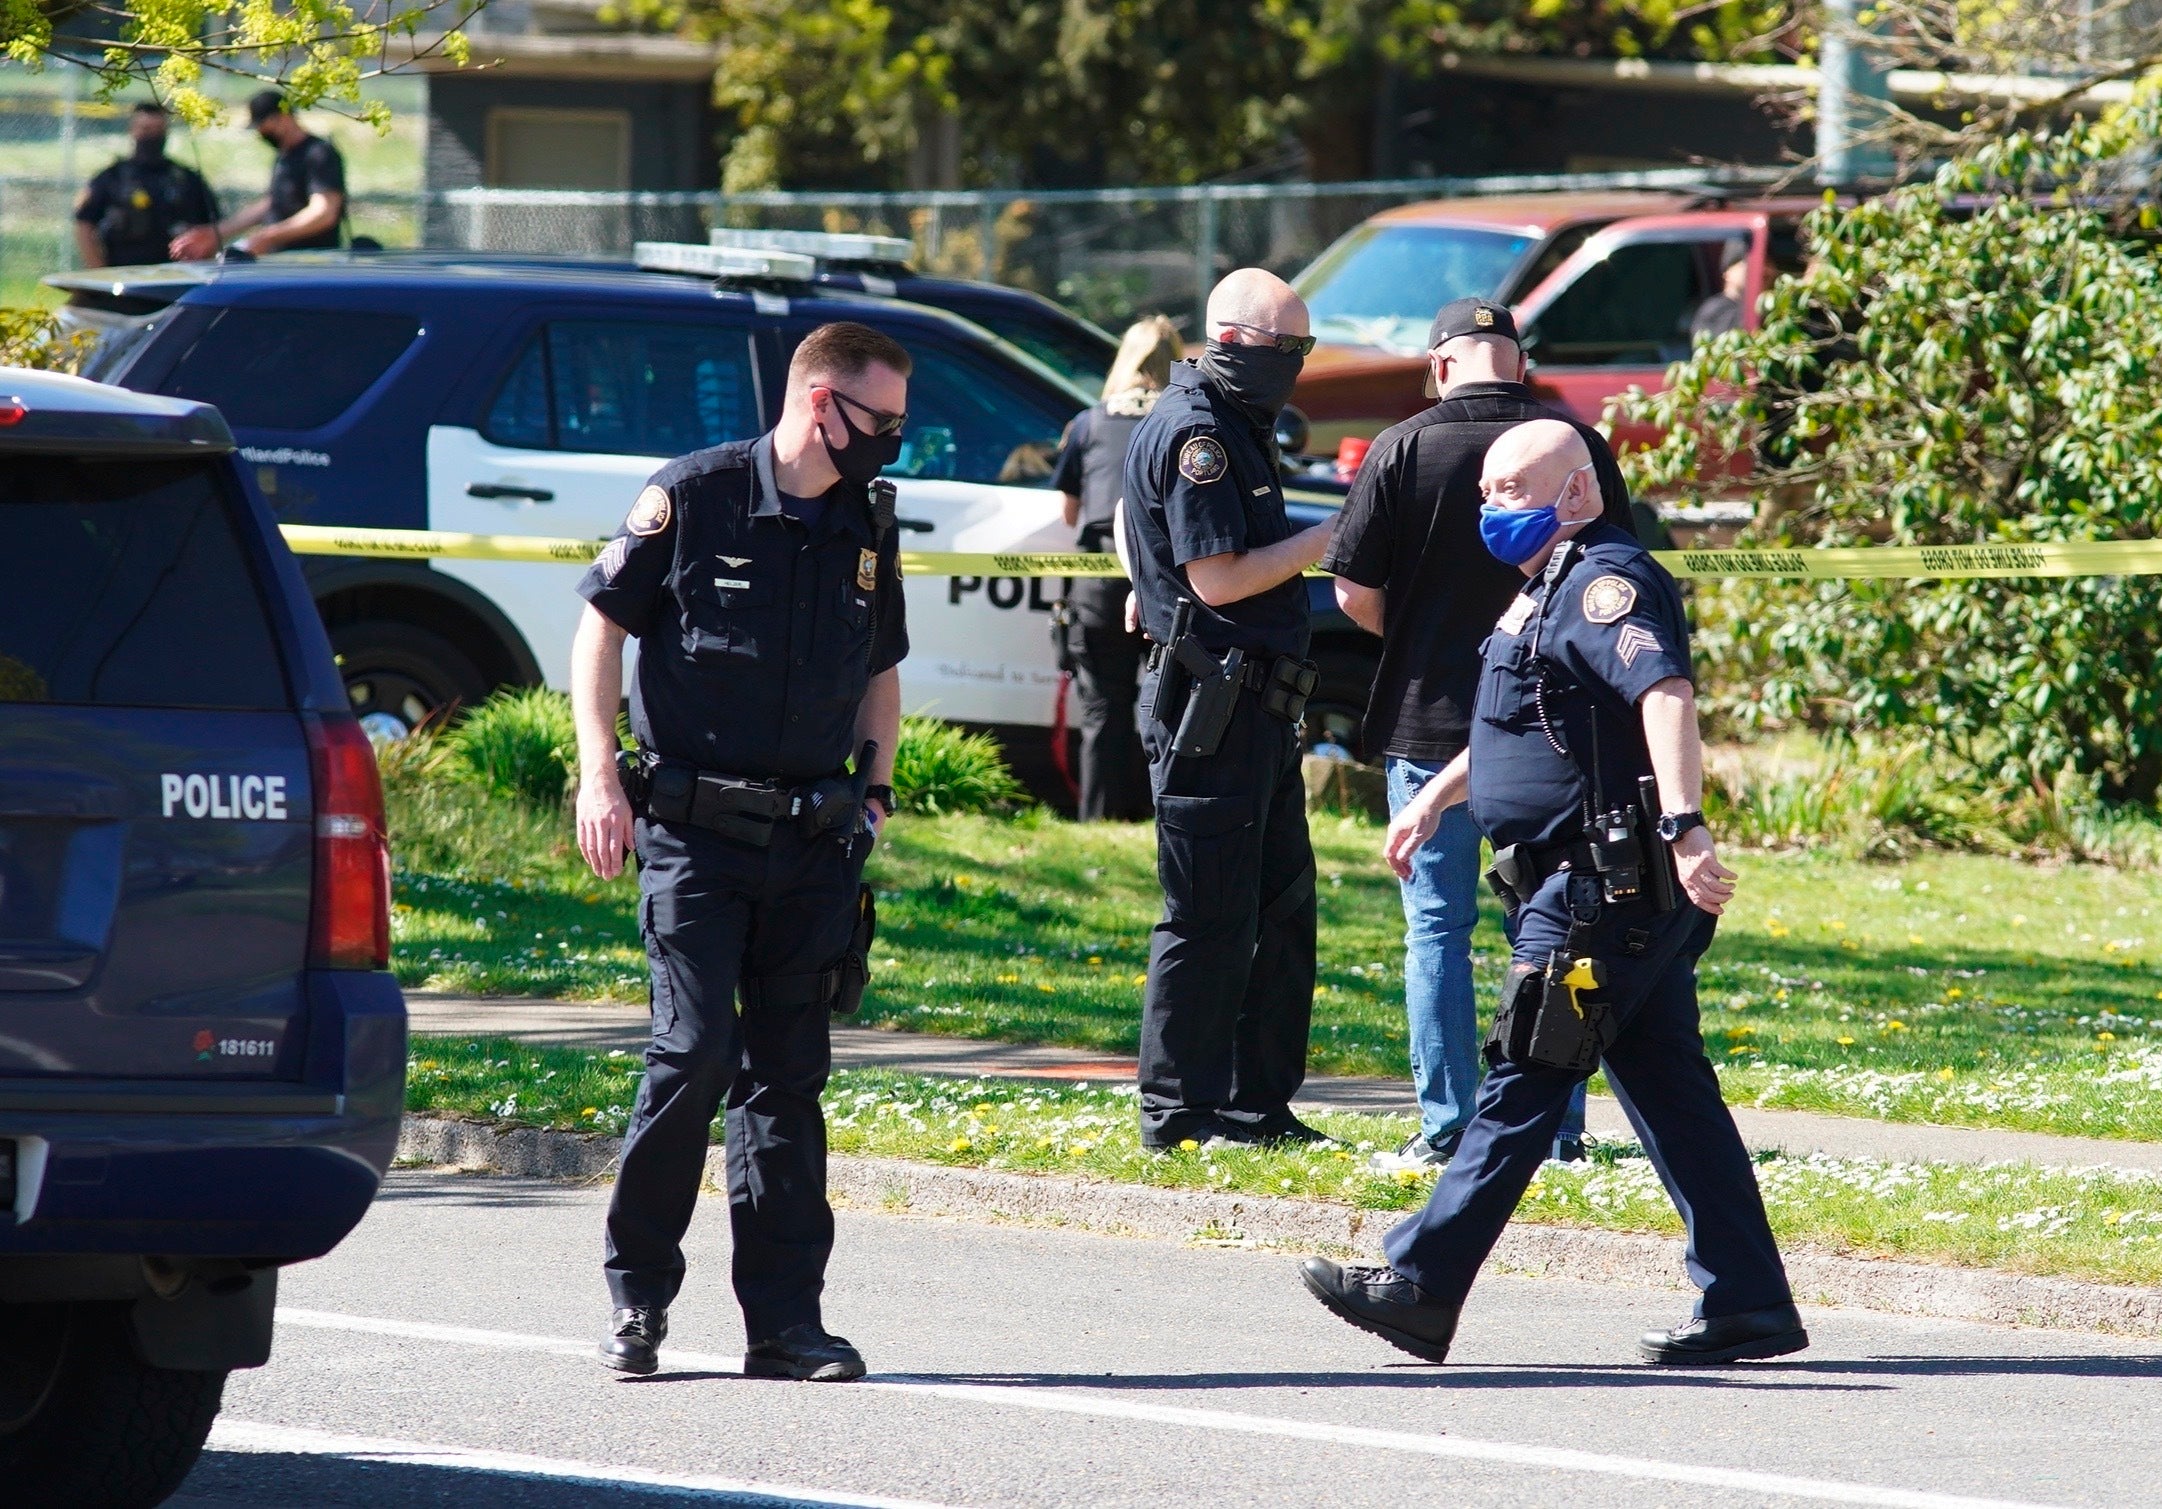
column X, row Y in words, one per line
column 389, row 705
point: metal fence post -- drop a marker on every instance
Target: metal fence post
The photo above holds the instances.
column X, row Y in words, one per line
column 987, row 229
column 1204, row 261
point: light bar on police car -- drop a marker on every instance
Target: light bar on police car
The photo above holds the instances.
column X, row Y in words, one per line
column 826, row 246
column 723, row 261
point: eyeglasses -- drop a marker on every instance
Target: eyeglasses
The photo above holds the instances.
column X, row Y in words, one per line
column 1290, row 345
column 882, row 423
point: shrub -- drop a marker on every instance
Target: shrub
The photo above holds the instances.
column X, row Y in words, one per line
column 519, row 744
column 938, row 768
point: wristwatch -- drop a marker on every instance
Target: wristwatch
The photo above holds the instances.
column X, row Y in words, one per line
column 1672, row 825
column 883, row 795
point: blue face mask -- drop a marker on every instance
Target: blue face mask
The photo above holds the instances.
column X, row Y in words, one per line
column 1514, row 535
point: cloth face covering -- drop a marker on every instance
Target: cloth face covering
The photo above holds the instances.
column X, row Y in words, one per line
column 1261, row 377
column 865, row 455
column 1514, row 535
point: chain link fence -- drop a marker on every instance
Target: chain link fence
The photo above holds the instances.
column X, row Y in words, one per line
column 1109, row 254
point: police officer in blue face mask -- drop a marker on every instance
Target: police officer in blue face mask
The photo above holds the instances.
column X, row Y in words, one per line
column 1215, row 566
column 1586, row 774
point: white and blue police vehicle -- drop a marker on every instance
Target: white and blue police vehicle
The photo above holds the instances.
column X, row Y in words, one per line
column 202, row 1054
column 515, row 395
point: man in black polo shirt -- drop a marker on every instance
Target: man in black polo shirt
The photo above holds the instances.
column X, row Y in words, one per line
column 1410, row 567
column 306, row 204
column 762, row 583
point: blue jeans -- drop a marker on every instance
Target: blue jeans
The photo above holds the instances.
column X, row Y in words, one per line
column 1441, row 903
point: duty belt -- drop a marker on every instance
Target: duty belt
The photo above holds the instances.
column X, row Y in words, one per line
column 1287, row 671
column 744, row 810
column 1520, row 869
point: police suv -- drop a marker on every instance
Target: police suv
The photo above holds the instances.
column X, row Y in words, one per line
column 202, row 1058
column 504, row 395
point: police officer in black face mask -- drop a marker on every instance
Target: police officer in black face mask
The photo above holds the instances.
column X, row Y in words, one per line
column 1215, row 566
column 131, row 212
column 762, row 582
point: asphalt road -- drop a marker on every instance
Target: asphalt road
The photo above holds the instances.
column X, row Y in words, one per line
column 442, row 1356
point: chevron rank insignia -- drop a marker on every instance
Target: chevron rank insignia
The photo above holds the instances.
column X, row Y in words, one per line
column 1635, row 640
column 611, row 559
column 1609, row 598
column 1201, row 460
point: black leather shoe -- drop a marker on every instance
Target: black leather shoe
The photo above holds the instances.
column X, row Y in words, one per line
column 634, row 1341
column 1277, row 1127
column 1728, row 1338
column 1201, row 1131
column 804, row 1351
column 1384, row 1302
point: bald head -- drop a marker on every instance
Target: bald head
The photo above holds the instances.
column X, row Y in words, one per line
column 1251, row 300
column 1539, row 462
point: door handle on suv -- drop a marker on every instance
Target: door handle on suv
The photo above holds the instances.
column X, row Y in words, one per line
column 506, row 490
column 915, row 526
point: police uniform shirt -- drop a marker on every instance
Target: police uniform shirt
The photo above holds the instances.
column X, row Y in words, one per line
column 757, row 633
column 309, row 167
column 138, row 207
column 1202, row 480
column 1411, row 528
column 1568, row 668
column 1092, row 466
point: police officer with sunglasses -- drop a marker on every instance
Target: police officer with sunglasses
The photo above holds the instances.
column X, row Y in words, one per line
column 1215, row 564
column 762, row 583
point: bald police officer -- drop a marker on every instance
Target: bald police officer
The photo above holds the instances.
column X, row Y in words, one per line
column 761, row 581
column 1215, row 565
column 1585, row 772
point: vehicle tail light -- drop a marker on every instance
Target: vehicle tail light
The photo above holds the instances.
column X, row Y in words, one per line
column 12, row 411
column 351, row 925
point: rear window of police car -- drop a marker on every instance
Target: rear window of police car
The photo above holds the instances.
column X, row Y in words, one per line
column 125, row 584
column 289, row 369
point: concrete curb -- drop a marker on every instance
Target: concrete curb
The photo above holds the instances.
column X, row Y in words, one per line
column 1945, row 1293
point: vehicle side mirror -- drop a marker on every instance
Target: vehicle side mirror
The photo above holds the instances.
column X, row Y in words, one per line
column 1293, row 430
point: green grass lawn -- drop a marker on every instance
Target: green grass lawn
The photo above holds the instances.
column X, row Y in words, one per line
column 2090, row 1224
column 1951, row 987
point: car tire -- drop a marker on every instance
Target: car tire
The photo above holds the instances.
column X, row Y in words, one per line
column 84, row 1421
column 398, row 677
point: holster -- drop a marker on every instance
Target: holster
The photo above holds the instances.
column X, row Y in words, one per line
column 840, row 987
column 634, row 769
column 1556, row 1017
column 1211, row 699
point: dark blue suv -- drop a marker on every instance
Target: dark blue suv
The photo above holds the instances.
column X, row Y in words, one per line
column 202, row 1058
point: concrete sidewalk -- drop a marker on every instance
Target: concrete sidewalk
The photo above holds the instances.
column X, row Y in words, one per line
column 578, row 1025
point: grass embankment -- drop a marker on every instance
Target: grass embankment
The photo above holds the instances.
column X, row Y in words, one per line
column 2090, row 1225
column 1952, row 988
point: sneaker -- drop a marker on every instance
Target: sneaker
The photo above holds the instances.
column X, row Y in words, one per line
column 1416, row 1156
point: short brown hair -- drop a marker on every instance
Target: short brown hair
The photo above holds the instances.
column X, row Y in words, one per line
column 842, row 351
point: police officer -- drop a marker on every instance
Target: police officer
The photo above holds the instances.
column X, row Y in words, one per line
column 1409, row 567
column 762, row 583
column 305, row 207
column 131, row 212
column 1215, row 565
column 1103, row 655
column 1585, row 690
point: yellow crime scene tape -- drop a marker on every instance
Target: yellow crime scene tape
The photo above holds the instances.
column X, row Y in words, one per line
column 1852, row 563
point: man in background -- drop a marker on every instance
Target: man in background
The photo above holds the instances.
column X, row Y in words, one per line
column 305, row 206
column 1409, row 567
column 132, row 212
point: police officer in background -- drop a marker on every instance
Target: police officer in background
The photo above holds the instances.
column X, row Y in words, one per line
column 762, row 583
column 1585, row 694
column 1409, row 567
column 1095, row 644
column 131, row 213
column 1215, row 565
column 305, row 207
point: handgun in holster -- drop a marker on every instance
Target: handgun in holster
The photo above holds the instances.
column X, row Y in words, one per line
column 634, row 769
column 855, row 966
column 1513, row 877
column 1555, row 1017
column 1196, row 693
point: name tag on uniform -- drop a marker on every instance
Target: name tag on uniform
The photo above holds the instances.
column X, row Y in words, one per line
column 1519, row 614
column 729, row 584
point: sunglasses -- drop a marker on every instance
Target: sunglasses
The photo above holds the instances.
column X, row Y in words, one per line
column 1290, row 345
column 882, row 423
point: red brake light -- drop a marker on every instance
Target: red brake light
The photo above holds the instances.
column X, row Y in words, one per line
column 351, row 924
column 12, row 411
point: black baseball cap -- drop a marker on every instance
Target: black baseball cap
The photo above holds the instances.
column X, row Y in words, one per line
column 263, row 104
column 1467, row 317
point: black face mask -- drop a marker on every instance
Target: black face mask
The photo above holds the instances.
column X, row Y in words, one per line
column 865, row 455
column 1261, row 377
column 149, row 148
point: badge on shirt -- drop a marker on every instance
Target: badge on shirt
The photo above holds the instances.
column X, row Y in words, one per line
column 867, row 570
column 1518, row 615
column 1635, row 640
column 1202, row 460
column 650, row 514
column 1609, row 598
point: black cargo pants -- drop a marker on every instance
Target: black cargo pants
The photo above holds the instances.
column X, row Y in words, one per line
column 1113, row 774
column 715, row 912
column 1231, row 965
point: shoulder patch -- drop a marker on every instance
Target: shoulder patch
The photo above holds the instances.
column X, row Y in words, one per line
column 1609, row 598
column 1202, row 459
column 650, row 514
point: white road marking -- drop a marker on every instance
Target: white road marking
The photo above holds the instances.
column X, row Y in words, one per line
column 249, row 1436
column 1058, row 1401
